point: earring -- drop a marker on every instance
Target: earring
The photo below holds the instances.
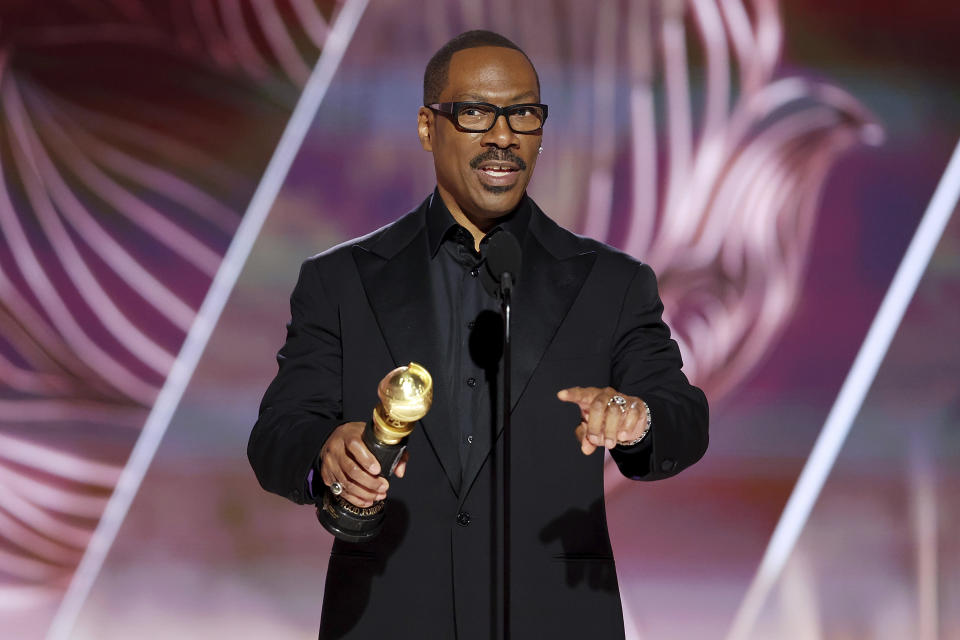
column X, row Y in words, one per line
column 540, row 150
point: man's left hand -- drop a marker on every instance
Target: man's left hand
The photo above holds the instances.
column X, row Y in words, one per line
column 604, row 422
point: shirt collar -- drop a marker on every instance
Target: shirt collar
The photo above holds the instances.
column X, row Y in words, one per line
column 440, row 223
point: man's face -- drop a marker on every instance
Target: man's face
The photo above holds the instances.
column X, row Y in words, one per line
column 484, row 175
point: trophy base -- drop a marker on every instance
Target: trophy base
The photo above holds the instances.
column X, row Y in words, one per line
column 348, row 522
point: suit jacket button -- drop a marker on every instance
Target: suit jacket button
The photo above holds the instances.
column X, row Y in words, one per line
column 667, row 464
column 463, row 518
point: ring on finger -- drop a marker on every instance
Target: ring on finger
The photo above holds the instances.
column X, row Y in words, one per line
column 619, row 402
column 336, row 488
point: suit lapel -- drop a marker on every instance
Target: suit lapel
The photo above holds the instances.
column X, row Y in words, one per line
column 395, row 276
column 553, row 271
column 544, row 294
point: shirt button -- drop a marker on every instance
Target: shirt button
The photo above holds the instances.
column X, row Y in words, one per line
column 471, row 324
column 470, row 439
column 463, row 518
column 471, row 382
column 474, row 272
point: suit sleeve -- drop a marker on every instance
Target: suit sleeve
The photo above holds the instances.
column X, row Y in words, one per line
column 302, row 405
column 646, row 363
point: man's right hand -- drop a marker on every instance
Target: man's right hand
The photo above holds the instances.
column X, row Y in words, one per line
column 345, row 459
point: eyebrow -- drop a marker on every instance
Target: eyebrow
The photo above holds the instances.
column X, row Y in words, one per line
column 475, row 97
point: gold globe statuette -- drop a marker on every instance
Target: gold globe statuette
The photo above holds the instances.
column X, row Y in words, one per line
column 406, row 394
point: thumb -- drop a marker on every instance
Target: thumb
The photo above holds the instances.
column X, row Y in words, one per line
column 401, row 467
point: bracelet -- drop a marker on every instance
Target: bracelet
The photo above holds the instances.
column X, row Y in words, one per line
column 645, row 431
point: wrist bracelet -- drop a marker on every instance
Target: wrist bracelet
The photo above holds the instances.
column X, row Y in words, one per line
column 645, row 431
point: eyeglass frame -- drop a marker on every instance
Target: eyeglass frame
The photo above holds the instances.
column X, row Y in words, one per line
column 452, row 109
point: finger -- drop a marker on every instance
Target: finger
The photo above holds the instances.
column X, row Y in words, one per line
column 402, row 465
column 585, row 447
column 333, row 474
column 611, row 424
column 363, row 456
column 630, row 426
column 352, row 492
column 361, row 477
column 582, row 396
column 355, row 494
column 326, row 476
column 329, row 464
column 595, row 420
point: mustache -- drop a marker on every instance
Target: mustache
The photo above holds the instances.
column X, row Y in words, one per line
column 498, row 155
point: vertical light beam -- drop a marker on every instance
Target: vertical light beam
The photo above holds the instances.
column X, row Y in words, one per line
column 850, row 399
column 207, row 316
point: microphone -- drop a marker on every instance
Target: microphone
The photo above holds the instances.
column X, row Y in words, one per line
column 498, row 274
column 501, row 266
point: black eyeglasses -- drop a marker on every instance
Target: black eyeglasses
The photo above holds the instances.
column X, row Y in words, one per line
column 479, row 117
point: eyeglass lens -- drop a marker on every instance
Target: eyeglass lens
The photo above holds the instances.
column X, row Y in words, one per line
column 480, row 117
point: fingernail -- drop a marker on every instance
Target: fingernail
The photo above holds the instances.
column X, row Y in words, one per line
column 622, row 435
column 608, row 443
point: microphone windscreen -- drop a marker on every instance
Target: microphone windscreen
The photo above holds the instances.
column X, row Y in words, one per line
column 503, row 255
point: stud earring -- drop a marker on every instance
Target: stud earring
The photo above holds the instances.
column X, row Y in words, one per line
column 540, row 150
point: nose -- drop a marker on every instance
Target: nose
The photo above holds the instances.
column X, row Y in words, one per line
column 501, row 135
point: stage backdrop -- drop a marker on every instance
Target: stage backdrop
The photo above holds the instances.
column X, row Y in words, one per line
column 771, row 163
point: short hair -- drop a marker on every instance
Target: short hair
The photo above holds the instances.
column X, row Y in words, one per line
column 436, row 74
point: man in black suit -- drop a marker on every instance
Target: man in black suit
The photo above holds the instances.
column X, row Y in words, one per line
column 592, row 363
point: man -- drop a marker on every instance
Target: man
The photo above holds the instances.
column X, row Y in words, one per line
column 592, row 363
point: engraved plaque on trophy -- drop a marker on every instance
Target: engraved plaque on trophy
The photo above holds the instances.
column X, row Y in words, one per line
column 405, row 397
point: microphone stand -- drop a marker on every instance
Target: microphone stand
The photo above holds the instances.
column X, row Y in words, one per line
column 503, row 261
column 506, row 288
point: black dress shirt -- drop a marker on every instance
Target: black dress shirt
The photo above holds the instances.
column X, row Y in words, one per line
column 470, row 329
column 470, row 325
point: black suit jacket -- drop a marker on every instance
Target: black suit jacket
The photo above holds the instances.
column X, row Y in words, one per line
column 584, row 314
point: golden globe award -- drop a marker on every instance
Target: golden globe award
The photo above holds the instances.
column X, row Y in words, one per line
column 405, row 397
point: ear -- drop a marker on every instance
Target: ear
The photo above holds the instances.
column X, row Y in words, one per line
column 424, row 128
